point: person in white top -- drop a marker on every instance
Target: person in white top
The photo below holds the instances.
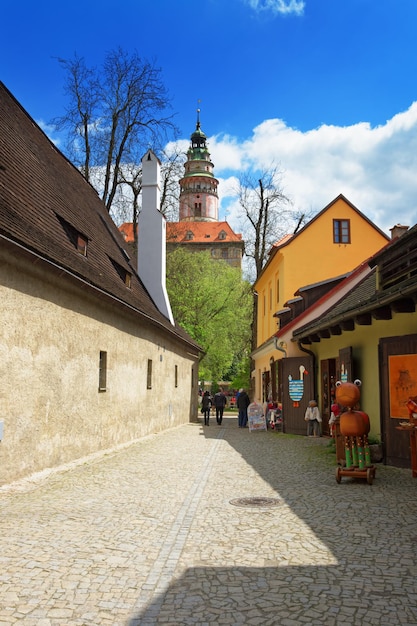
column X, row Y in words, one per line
column 313, row 418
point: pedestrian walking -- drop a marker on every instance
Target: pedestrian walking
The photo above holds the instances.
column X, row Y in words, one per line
column 205, row 407
column 219, row 404
column 242, row 404
column 313, row 418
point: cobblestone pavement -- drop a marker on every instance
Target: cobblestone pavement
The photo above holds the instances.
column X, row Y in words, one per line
column 152, row 534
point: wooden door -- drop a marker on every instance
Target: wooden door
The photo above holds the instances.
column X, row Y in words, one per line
column 297, row 385
column 397, row 383
column 344, row 370
column 328, row 380
column 266, row 386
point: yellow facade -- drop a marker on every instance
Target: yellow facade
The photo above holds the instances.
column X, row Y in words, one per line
column 310, row 256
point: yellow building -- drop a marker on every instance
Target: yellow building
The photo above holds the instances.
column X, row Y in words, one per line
column 332, row 244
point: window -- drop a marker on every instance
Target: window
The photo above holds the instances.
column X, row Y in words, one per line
column 341, row 231
column 149, row 375
column 102, row 371
column 78, row 240
column 277, row 289
column 82, row 244
column 123, row 273
column 176, row 375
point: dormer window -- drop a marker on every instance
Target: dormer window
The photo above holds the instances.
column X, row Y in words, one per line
column 78, row 239
column 222, row 234
column 189, row 235
column 123, row 273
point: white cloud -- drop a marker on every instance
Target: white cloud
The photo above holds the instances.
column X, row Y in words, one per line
column 375, row 168
column 283, row 7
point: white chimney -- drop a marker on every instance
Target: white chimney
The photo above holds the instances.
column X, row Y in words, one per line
column 152, row 237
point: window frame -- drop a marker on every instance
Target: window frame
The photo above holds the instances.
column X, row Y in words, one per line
column 102, row 372
column 149, row 375
column 341, row 231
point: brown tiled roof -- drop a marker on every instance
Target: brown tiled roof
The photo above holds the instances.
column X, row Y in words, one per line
column 351, row 303
column 43, row 196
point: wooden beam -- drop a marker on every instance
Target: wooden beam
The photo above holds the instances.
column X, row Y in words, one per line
column 348, row 325
column 364, row 319
column 404, row 305
column 325, row 333
column 336, row 330
column 315, row 338
column 383, row 313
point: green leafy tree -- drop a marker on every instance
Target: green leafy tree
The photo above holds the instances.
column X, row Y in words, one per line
column 213, row 304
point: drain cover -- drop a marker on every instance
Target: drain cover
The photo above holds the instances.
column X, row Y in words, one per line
column 256, row 502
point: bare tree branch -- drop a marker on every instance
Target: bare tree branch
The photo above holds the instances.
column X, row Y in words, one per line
column 115, row 113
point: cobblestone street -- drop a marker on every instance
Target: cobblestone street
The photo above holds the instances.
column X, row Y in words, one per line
column 210, row 525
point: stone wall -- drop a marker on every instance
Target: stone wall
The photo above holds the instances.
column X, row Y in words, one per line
column 50, row 404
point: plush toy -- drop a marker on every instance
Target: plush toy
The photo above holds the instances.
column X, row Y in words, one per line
column 354, row 425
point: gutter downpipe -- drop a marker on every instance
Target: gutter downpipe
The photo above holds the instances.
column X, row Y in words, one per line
column 314, row 366
column 278, row 347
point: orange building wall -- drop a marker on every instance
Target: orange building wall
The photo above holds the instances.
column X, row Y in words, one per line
column 310, row 257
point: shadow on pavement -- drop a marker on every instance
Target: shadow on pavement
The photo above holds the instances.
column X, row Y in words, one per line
column 341, row 554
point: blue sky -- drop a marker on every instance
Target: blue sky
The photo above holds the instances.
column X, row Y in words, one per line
column 323, row 88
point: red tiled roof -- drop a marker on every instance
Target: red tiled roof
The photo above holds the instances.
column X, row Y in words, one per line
column 127, row 231
column 202, row 232
column 281, row 242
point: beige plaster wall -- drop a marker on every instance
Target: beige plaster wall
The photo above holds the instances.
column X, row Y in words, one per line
column 50, row 341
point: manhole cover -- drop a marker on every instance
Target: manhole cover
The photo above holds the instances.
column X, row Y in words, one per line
column 256, row 502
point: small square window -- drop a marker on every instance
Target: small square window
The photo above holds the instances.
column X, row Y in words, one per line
column 82, row 244
column 123, row 273
column 341, row 231
column 78, row 240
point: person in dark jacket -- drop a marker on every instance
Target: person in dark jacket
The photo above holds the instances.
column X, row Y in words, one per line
column 242, row 404
column 205, row 407
column 219, row 403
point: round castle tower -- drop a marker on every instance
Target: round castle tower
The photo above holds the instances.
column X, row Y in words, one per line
column 199, row 201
